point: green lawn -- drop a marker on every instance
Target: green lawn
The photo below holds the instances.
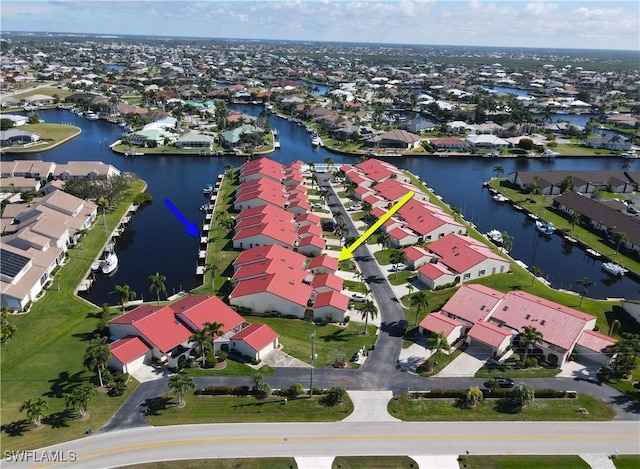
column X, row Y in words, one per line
column 240, row 463
column 50, row 135
column 232, row 368
column 627, row 461
column 523, row 461
column 383, row 256
column 373, row 462
column 443, row 360
column 49, row 91
column 450, row 410
column 295, row 337
column 44, row 359
column 227, row 409
column 489, row 370
column 398, row 278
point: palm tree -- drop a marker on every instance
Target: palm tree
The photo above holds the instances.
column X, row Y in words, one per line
column 7, row 331
column 329, row 162
column 419, row 301
column 535, row 272
column 574, row 219
column 214, row 329
column 125, row 292
column 201, row 343
column 622, row 238
column 103, row 204
column 79, row 399
column 260, row 386
column 368, row 310
column 473, row 396
column 180, row 384
column 314, row 180
column 498, row 170
column 396, row 257
column 215, row 270
column 384, row 240
column 507, row 242
column 410, row 287
column 35, row 410
column 97, row 356
column 615, row 327
column 103, row 317
column 585, row 283
column 523, row 394
column 156, row 283
column 439, row 342
column 530, row 337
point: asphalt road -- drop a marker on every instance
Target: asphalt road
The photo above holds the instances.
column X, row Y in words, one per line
column 139, row 445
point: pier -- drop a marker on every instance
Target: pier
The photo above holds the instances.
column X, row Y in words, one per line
column 206, row 227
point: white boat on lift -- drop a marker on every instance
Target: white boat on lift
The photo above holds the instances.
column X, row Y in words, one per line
column 495, row 236
column 110, row 263
column 545, row 228
column 614, row 269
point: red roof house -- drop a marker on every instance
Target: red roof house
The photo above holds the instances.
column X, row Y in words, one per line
column 255, row 341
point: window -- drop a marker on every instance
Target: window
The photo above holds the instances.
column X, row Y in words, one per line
column 543, row 322
column 481, row 273
column 466, row 276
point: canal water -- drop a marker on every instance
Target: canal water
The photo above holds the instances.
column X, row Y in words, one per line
column 156, row 242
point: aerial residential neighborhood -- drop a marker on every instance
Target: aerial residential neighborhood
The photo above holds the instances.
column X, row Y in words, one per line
column 210, row 238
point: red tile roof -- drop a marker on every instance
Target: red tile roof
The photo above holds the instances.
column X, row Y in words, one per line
column 489, row 333
column 257, row 336
column 198, row 310
column 376, row 169
column 326, row 261
column 415, row 253
column 284, row 257
column 438, row 322
column 462, row 253
column 310, row 218
column 328, row 280
column 312, row 240
column 392, row 189
column 332, row 298
column 434, row 271
column 128, row 348
column 287, row 285
column 473, row 302
column 597, row 342
column 276, row 231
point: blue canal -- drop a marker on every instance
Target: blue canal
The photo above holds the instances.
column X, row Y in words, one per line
column 156, row 241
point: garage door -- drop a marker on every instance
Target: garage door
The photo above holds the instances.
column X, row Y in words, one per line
column 136, row 364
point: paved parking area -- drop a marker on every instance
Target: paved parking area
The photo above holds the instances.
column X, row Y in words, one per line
column 370, row 406
column 466, row 364
column 281, row 359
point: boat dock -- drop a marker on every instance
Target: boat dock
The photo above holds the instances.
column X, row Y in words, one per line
column 209, row 209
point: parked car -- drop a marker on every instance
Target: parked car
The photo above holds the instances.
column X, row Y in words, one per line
column 504, row 382
column 631, row 209
column 316, row 206
column 328, row 226
column 359, row 297
column 398, row 268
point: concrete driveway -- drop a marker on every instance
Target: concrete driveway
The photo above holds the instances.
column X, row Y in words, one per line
column 466, row 364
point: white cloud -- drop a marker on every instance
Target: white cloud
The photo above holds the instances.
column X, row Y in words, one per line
column 540, row 8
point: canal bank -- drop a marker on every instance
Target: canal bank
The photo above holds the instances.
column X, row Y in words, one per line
column 156, row 240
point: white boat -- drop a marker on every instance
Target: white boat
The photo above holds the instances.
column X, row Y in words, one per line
column 316, row 141
column 92, row 116
column 500, row 198
column 110, row 263
column 548, row 154
column 122, row 124
column 593, row 253
column 570, row 239
column 631, row 154
column 495, row 236
column 614, row 269
column 545, row 228
column 208, row 189
column 533, row 216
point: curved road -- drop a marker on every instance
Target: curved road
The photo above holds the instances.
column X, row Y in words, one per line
column 134, row 446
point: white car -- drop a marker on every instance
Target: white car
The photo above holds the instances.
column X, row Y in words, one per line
column 316, row 205
column 355, row 208
column 359, row 297
column 398, row 268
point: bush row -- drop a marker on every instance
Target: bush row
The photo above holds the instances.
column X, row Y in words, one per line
column 293, row 391
column 498, row 393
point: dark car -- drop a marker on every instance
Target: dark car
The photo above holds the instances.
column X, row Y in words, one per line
column 328, row 226
column 504, row 382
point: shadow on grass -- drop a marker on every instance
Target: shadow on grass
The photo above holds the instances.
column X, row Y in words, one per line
column 258, row 402
column 339, row 336
column 507, row 405
column 17, row 428
column 59, row 419
column 64, row 384
column 157, row 405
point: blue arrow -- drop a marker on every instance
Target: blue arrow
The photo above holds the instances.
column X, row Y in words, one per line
column 190, row 228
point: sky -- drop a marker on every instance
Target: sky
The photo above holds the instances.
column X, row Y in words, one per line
column 582, row 24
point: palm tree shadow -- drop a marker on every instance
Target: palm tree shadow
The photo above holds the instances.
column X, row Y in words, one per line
column 337, row 336
column 507, row 405
column 59, row 419
column 17, row 428
column 64, row 384
column 159, row 404
column 86, row 336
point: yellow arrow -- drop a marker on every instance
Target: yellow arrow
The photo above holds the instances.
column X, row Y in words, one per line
column 347, row 252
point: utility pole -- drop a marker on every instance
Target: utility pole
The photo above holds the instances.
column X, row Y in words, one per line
column 313, row 356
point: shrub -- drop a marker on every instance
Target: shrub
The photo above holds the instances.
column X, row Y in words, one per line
column 255, row 362
column 118, row 389
column 210, row 361
column 107, row 377
column 216, row 390
column 334, row 396
column 121, row 377
column 492, row 385
column 346, row 319
column 240, row 391
column 222, row 356
column 295, row 390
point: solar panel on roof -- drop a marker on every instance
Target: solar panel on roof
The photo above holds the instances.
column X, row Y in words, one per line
column 11, row 263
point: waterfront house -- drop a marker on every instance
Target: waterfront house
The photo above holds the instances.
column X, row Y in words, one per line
column 395, row 139
column 87, row 170
column 449, row 144
column 610, row 142
column 17, row 138
column 457, row 258
column 17, row 119
column 584, row 181
column 194, row 140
